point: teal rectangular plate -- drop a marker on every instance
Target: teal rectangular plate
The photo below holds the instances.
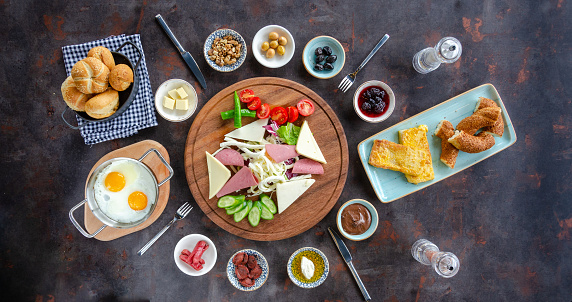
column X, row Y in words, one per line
column 391, row 185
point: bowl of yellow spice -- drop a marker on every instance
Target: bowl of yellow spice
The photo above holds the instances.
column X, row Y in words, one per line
column 308, row 267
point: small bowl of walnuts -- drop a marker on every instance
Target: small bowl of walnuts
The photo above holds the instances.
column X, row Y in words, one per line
column 225, row 50
column 273, row 46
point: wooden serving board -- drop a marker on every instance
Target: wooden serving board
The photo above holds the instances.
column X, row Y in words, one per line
column 152, row 161
column 207, row 133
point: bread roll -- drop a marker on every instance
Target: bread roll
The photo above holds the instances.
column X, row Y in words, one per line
column 103, row 104
column 121, row 77
column 73, row 97
column 103, row 54
column 90, row 75
column 471, row 143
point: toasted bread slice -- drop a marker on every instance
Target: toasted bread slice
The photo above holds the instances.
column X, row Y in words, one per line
column 389, row 155
column 417, row 138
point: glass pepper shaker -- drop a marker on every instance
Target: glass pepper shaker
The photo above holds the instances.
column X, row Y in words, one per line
column 448, row 50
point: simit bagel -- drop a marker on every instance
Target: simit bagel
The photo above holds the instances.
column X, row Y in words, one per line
column 449, row 153
column 481, row 118
column 498, row 127
column 472, row 143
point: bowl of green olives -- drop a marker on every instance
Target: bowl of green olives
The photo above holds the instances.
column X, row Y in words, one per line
column 323, row 57
column 273, row 46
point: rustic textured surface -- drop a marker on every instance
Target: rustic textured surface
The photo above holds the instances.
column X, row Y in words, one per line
column 508, row 219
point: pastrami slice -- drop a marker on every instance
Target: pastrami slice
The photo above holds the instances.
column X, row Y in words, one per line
column 230, row 157
column 242, row 179
column 307, row 166
column 280, row 153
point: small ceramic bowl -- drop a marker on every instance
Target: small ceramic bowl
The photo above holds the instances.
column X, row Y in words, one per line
column 188, row 242
column 220, row 34
column 278, row 60
column 315, row 283
column 175, row 115
column 372, row 227
column 309, row 56
column 230, row 268
column 389, row 110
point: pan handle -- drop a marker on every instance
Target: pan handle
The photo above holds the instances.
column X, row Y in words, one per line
column 136, row 48
column 78, row 227
column 67, row 123
column 164, row 163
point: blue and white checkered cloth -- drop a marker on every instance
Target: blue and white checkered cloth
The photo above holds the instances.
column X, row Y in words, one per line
column 141, row 113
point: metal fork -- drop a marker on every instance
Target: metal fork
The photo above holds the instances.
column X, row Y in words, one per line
column 182, row 212
column 348, row 81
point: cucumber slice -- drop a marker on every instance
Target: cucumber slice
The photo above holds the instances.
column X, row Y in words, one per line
column 232, row 210
column 230, row 201
column 238, row 216
column 254, row 215
column 266, row 214
column 267, row 201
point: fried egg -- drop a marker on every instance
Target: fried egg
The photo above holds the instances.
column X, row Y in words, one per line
column 125, row 191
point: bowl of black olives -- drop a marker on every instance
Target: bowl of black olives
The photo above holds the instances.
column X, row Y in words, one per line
column 323, row 57
column 374, row 101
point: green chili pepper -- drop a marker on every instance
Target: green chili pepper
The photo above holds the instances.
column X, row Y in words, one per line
column 225, row 115
column 237, row 115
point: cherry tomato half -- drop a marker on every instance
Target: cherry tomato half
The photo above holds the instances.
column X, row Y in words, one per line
column 279, row 115
column 254, row 103
column 292, row 114
column 263, row 111
column 305, row 107
column 246, row 95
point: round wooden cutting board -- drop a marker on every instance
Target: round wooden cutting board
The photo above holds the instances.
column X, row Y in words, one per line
column 207, row 133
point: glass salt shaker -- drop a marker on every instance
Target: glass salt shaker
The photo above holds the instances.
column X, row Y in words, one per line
column 448, row 50
column 445, row 264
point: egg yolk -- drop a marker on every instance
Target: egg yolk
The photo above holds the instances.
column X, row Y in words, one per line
column 115, row 181
column 137, row 201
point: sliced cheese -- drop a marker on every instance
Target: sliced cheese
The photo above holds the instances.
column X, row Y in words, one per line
column 307, row 145
column 168, row 102
column 252, row 132
column 288, row 192
column 218, row 175
column 182, row 104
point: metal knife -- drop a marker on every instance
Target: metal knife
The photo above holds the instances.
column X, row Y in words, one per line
column 185, row 54
column 348, row 259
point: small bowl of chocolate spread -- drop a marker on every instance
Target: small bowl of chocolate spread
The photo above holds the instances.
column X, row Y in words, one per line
column 357, row 219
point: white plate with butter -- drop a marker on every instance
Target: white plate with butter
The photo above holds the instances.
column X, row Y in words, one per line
column 176, row 100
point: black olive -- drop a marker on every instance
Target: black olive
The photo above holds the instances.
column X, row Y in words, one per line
column 327, row 50
column 328, row 66
column 319, row 58
column 319, row 51
column 332, row 59
column 319, row 67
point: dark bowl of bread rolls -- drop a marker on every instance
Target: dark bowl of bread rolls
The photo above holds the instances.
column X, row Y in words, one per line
column 102, row 86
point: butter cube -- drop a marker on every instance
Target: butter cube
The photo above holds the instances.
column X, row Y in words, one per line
column 173, row 94
column 182, row 93
column 182, row 104
column 168, row 102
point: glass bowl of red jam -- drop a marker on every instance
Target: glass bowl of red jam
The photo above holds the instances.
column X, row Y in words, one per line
column 374, row 101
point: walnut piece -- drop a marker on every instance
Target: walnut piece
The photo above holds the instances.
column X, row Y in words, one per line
column 225, row 51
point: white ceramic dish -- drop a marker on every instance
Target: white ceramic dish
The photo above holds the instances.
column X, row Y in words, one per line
column 374, row 220
column 188, row 242
column 278, row 60
column 230, row 271
column 220, row 33
column 389, row 110
column 175, row 115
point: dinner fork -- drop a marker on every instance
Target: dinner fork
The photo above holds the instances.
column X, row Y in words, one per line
column 348, row 81
column 181, row 213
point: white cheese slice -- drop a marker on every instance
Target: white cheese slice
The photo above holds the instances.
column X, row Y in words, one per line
column 173, row 94
column 288, row 192
column 182, row 104
column 182, row 93
column 307, row 145
column 218, row 175
column 252, row 132
column 168, row 102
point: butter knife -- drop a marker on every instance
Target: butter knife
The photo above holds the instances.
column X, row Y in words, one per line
column 348, row 259
column 185, row 54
